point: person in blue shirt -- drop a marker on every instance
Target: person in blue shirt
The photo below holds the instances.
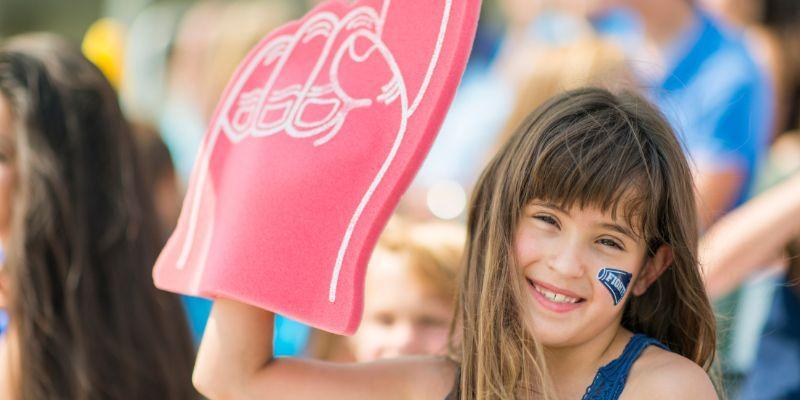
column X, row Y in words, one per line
column 703, row 79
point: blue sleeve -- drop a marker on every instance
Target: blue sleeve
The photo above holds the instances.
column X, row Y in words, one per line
column 740, row 129
column 738, row 111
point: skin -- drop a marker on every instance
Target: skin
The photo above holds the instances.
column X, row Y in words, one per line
column 750, row 237
column 235, row 358
column 717, row 190
column 402, row 317
column 741, row 12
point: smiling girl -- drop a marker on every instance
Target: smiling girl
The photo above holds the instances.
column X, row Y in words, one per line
column 580, row 279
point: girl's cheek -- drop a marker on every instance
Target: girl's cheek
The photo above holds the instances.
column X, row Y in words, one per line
column 531, row 243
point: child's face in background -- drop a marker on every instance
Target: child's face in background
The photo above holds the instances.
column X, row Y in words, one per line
column 560, row 253
column 401, row 316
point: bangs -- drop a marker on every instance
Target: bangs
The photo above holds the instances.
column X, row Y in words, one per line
column 597, row 158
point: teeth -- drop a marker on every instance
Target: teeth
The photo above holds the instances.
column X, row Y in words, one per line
column 555, row 297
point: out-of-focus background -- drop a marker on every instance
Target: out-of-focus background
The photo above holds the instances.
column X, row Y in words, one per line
column 726, row 73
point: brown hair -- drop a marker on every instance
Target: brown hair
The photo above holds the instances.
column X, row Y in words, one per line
column 583, row 147
column 88, row 321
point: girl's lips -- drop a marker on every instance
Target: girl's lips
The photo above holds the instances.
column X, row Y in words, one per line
column 555, row 289
column 552, row 305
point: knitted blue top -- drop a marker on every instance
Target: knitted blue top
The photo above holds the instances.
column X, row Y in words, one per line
column 610, row 379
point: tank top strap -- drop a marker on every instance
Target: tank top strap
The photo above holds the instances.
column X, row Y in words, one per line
column 610, row 379
column 455, row 392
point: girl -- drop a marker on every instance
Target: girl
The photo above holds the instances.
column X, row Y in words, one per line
column 580, row 279
column 79, row 232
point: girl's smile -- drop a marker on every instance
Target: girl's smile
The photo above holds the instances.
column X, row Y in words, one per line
column 553, row 298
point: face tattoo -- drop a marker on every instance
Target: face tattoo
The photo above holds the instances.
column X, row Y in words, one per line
column 616, row 281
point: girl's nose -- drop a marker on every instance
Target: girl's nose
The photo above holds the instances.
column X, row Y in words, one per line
column 566, row 259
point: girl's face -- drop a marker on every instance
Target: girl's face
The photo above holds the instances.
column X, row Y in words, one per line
column 561, row 253
column 7, row 168
column 401, row 316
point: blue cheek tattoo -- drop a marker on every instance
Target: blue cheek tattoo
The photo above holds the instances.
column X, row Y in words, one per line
column 616, row 281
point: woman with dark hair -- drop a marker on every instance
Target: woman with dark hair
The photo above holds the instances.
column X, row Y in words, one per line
column 80, row 236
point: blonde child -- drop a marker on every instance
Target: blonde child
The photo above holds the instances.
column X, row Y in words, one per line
column 409, row 296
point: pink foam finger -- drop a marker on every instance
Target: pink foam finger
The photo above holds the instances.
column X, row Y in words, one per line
column 318, row 134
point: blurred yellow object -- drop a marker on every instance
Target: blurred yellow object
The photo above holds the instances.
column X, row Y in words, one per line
column 104, row 45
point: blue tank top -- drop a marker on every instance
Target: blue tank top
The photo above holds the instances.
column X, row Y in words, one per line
column 610, row 378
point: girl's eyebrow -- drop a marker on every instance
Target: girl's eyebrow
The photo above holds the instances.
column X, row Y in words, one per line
column 624, row 230
column 550, row 205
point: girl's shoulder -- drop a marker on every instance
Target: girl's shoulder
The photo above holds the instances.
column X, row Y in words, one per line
column 662, row 374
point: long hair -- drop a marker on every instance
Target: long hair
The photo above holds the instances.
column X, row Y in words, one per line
column 88, row 321
column 583, row 147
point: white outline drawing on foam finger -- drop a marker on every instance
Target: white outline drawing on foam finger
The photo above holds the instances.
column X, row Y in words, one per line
column 410, row 111
column 278, row 50
column 402, row 94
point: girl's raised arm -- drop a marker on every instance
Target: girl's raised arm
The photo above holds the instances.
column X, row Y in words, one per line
column 235, row 361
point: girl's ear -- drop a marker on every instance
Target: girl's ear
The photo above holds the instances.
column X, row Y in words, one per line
column 654, row 267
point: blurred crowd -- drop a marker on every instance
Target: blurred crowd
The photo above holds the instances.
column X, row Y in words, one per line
column 726, row 74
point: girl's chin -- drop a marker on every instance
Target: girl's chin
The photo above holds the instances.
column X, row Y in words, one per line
column 555, row 336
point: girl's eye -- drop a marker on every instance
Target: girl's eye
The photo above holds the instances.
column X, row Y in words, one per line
column 610, row 243
column 547, row 219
